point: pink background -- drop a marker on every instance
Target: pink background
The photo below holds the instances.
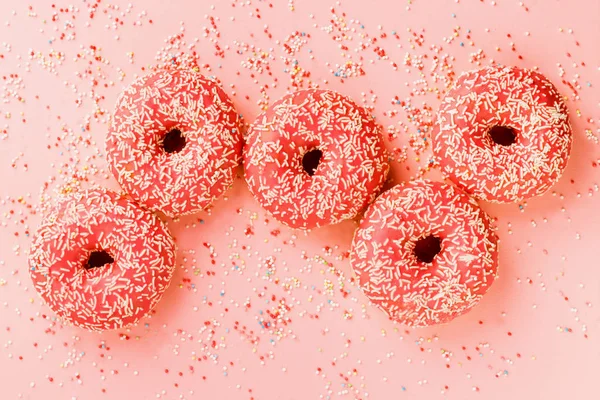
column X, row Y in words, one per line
column 257, row 311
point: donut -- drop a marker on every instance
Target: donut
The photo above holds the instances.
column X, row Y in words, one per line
column 174, row 141
column 314, row 158
column 424, row 253
column 100, row 261
column 502, row 134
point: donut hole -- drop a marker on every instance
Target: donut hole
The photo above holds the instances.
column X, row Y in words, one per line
column 98, row 258
column 503, row 135
column 427, row 248
column 174, row 141
column 311, row 160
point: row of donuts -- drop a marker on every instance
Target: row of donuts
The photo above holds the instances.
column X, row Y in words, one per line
column 502, row 134
column 424, row 251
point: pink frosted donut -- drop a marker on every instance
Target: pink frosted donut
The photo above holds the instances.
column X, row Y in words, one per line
column 503, row 134
column 314, row 158
column 424, row 253
column 174, row 142
column 100, row 261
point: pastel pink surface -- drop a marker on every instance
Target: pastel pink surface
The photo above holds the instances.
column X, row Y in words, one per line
column 256, row 310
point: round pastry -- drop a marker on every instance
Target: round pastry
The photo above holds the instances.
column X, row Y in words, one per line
column 100, row 261
column 424, row 253
column 314, row 158
column 502, row 134
column 174, row 141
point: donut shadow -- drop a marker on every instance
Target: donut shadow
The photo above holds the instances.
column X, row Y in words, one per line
column 189, row 232
column 580, row 167
column 339, row 235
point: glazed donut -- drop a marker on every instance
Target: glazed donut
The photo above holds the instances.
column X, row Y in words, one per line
column 424, row 253
column 174, row 141
column 502, row 134
column 314, row 158
column 100, row 261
